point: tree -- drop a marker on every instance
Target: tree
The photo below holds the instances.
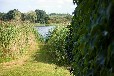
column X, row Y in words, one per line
column 60, row 18
column 1, row 15
column 31, row 16
column 13, row 14
column 23, row 16
column 42, row 17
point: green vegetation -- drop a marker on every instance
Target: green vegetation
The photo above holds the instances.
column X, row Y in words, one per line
column 92, row 38
column 11, row 15
column 21, row 53
column 61, row 19
column 19, row 43
column 88, row 47
column 15, row 39
column 34, row 63
column 37, row 16
column 56, row 45
column 30, row 16
column 42, row 17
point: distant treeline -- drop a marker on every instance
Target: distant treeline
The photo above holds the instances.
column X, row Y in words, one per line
column 59, row 18
column 37, row 16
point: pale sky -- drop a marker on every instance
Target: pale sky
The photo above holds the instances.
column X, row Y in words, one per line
column 50, row 6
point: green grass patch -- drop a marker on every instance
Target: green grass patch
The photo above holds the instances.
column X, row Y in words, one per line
column 38, row 64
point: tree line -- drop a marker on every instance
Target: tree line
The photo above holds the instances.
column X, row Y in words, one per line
column 32, row 16
column 37, row 16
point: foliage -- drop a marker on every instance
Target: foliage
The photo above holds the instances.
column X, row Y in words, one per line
column 37, row 16
column 15, row 39
column 31, row 16
column 60, row 18
column 91, row 38
column 56, row 45
column 1, row 15
column 12, row 15
column 42, row 17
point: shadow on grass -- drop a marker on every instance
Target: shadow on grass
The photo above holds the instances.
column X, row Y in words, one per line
column 42, row 55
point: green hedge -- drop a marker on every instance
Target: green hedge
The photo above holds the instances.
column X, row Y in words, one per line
column 92, row 39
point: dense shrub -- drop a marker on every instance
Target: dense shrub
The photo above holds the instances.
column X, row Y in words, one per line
column 92, row 40
column 56, row 45
column 15, row 39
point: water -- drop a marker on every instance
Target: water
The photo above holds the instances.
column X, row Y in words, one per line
column 44, row 30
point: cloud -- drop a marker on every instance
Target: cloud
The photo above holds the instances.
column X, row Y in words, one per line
column 57, row 6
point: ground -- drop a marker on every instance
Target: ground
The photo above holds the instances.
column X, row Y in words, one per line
column 34, row 63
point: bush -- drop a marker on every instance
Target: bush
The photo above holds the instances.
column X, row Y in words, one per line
column 56, row 45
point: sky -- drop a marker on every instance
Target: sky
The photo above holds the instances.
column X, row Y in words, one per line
column 50, row 6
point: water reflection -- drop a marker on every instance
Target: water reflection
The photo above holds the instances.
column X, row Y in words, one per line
column 44, row 30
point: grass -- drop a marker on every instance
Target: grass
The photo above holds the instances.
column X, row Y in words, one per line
column 34, row 63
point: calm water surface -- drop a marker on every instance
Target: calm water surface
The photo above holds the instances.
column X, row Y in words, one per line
column 44, row 30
